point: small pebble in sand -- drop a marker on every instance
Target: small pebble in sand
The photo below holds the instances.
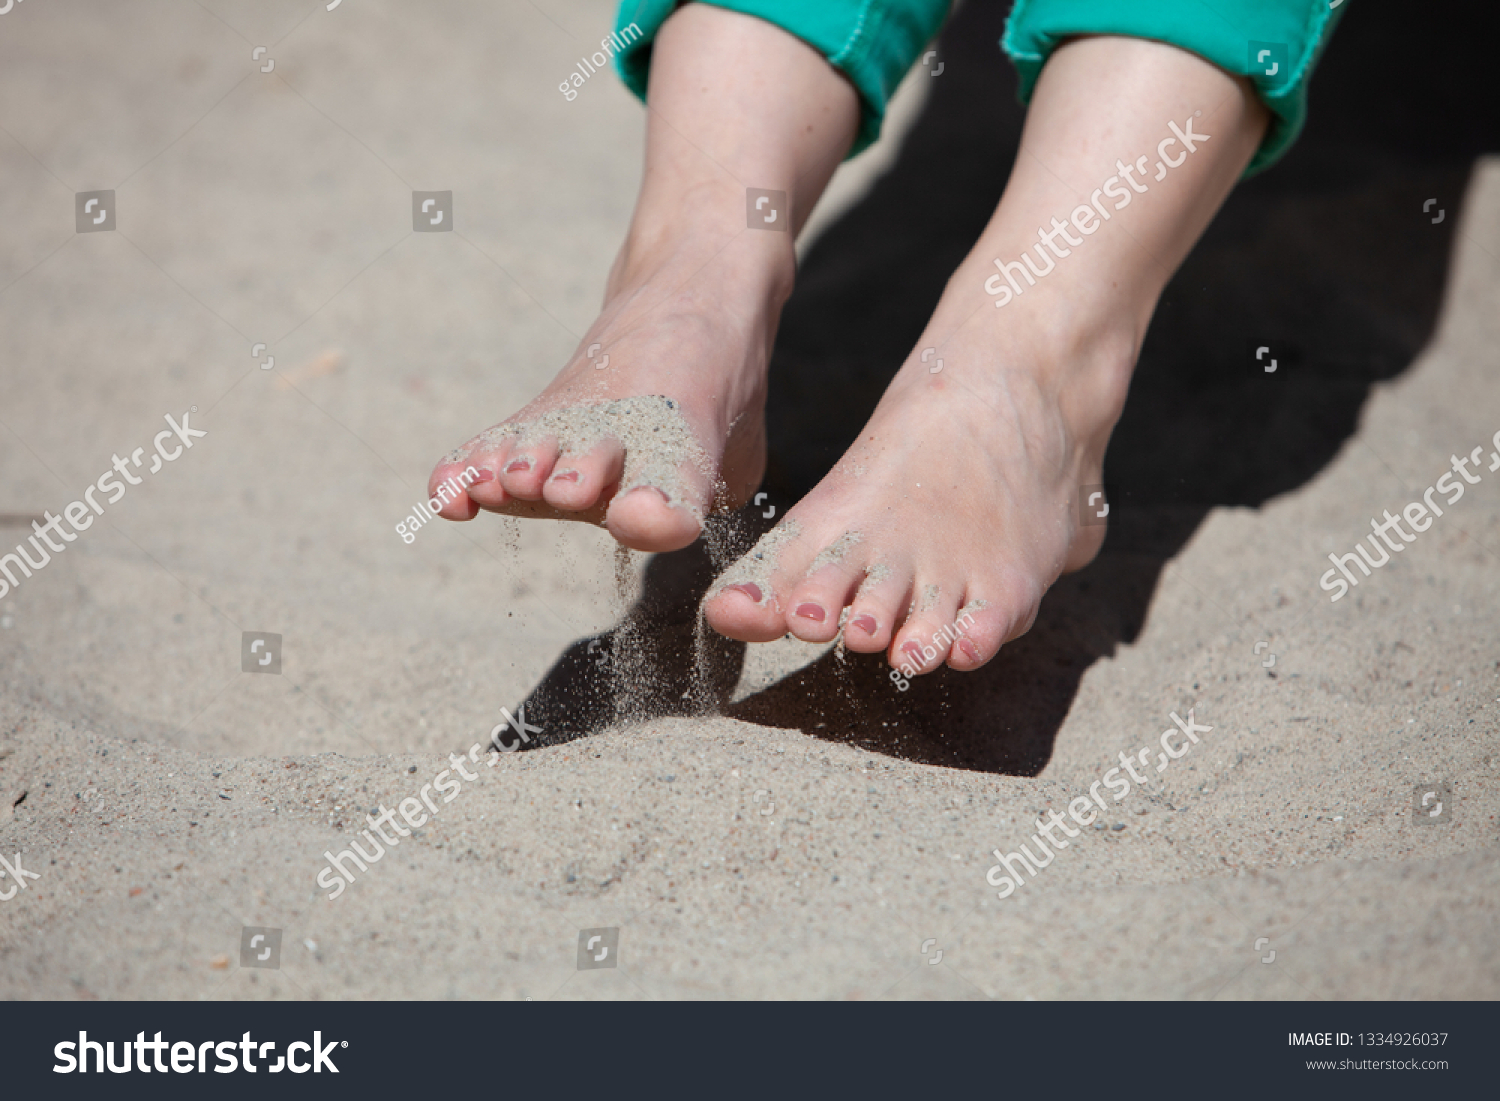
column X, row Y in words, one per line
column 219, row 962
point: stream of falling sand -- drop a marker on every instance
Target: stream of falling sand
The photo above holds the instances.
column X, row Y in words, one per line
column 718, row 536
column 627, row 666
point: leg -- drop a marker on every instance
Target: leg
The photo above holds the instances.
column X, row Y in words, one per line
column 959, row 500
column 675, row 421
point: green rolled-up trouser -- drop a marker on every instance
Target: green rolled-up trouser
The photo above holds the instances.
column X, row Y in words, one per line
column 1275, row 43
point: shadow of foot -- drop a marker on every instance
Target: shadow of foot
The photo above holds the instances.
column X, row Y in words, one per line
column 1004, row 717
column 1330, row 260
column 662, row 659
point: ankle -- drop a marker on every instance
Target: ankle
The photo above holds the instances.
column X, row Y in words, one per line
column 698, row 232
column 1087, row 367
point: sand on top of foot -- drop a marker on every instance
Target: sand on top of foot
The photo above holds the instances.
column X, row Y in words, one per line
column 657, row 439
column 835, row 551
column 759, row 563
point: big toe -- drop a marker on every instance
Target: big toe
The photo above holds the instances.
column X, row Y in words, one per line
column 647, row 519
column 742, row 604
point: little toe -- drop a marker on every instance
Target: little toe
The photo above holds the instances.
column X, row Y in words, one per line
column 458, row 485
column 981, row 631
column 478, row 463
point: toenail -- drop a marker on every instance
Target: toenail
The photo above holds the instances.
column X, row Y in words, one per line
column 752, row 591
column 483, row 476
column 866, row 623
column 519, row 466
column 914, row 651
column 968, row 649
column 655, row 489
column 811, row 611
column 565, row 476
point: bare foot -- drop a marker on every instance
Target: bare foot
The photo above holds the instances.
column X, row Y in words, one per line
column 659, row 416
column 665, row 420
column 935, row 537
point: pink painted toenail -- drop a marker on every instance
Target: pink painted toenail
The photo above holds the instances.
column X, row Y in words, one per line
column 483, row 476
column 752, row 591
column 519, row 466
column 914, row 651
column 866, row 623
column 811, row 611
column 968, row 649
column 565, row 476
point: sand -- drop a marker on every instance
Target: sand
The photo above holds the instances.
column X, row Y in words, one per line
column 756, row 567
column 834, row 552
column 824, row 835
column 657, row 439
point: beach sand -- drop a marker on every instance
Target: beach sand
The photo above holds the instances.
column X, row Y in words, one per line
column 820, row 834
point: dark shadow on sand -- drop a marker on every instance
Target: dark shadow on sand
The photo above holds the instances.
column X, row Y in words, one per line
column 1327, row 258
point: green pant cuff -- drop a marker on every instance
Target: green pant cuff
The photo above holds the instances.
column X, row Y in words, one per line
column 872, row 42
column 1276, row 43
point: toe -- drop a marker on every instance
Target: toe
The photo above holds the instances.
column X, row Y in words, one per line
column 458, row 484
column 991, row 617
column 746, row 611
column 875, row 609
column 646, row 519
column 742, row 603
column 980, row 631
column 476, row 466
column 927, row 636
column 813, row 616
column 814, row 604
column 579, row 481
column 526, row 468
